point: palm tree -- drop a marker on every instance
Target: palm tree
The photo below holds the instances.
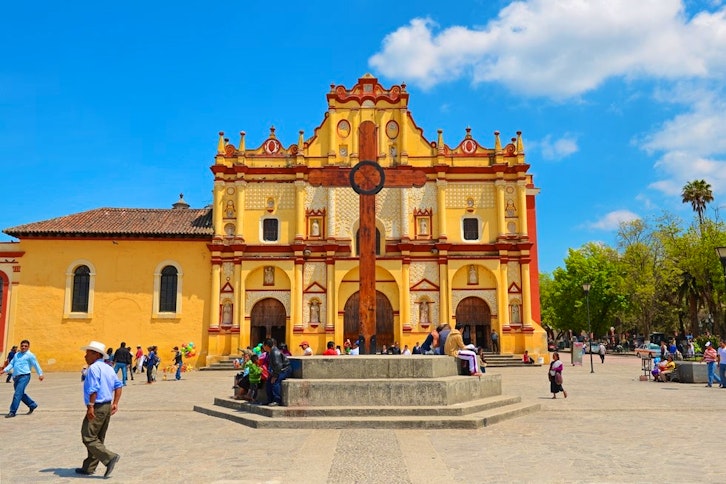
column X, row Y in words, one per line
column 698, row 193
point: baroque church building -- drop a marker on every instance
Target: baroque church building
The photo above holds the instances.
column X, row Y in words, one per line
column 277, row 253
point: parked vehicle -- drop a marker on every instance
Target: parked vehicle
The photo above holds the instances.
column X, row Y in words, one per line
column 648, row 349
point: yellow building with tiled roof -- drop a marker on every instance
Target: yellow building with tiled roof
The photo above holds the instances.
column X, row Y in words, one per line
column 276, row 255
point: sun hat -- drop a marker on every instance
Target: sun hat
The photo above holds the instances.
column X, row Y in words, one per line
column 708, row 343
column 96, row 346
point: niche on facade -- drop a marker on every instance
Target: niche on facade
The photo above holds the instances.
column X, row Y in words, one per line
column 268, row 277
column 515, row 312
column 229, row 230
column 315, row 224
column 230, row 211
column 270, row 204
column 424, row 312
column 314, row 310
column 225, row 313
column 422, row 225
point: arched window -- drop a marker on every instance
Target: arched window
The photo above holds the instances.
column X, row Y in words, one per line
column 81, row 289
column 378, row 242
column 168, row 290
column 79, row 293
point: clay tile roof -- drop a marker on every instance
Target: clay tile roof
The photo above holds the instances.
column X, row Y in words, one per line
column 123, row 222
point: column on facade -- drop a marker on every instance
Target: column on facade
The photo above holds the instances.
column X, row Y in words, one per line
column 217, row 210
column 405, row 213
column 331, row 296
column 444, row 296
column 526, row 295
column 503, row 296
column 441, row 202
column 238, row 315
column 382, row 138
column 403, row 137
column 330, row 213
column 300, row 209
column 332, row 139
column 501, row 224
column 406, row 322
column 353, row 148
column 214, row 306
column 522, row 202
column 296, row 299
column 241, row 192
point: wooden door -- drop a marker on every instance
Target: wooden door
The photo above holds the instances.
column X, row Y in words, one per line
column 473, row 312
column 384, row 319
column 268, row 320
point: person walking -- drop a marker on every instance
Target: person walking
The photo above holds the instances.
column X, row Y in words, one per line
column 555, row 375
column 601, row 351
column 20, row 368
column 101, row 394
column 139, row 359
column 495, row 341
column 11, row 355
column 710, row 357
column 279, row 368
column 178, row 362
column 722, row 362
column 122, row 360
column 150, row 365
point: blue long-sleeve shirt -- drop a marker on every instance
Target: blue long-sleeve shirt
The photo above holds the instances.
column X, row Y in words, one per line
column 101, row 380
column 22, row 363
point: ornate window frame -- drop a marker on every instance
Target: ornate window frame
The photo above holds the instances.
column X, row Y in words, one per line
column 68, row 296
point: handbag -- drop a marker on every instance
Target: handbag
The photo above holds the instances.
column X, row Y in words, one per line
column 558, row 378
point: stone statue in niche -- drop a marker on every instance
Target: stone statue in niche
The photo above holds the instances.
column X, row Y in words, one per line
column 423, row 312
column 229, row 210
column 315, row 228
column 423, row 226
column 510, row 210
column 516, row 317
column 473, row 275
column 269, row 278
column 315, row 312
column 227, row 314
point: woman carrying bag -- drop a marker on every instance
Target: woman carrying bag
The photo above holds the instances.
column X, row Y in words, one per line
column 555, row 376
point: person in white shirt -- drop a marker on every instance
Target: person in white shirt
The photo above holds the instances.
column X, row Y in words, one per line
column 307, row 350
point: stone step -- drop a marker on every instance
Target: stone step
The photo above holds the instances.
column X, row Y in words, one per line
column 461, row 409
column 472, row 421
column 389, row 391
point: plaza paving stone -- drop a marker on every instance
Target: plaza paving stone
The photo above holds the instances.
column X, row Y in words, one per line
column 612, row 428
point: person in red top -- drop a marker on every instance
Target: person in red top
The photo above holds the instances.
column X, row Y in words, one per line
column 330, row 351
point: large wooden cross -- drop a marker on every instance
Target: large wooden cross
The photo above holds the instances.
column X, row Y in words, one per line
column 367, row 178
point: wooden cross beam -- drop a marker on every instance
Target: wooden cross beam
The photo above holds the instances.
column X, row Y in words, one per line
column 367, row 178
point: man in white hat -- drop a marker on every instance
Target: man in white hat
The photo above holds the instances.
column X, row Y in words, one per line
column 101, row 393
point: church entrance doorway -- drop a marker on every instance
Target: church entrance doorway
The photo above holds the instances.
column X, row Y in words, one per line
column 267, row 320
column 476, row 317
column 384, row 320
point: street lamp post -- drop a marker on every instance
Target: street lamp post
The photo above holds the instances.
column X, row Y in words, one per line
column 586, row 288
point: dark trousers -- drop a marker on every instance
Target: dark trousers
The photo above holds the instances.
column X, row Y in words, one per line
column 274, row 390
column 93, row 433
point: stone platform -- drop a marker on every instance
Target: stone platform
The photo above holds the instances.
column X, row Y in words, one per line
column 378, row 391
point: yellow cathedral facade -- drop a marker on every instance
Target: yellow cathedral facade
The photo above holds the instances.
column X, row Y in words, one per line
column 277, row 256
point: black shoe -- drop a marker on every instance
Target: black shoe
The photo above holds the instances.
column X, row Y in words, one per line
column 10, row 415
column 32, row 409
column 83, row 472
column 111, row 464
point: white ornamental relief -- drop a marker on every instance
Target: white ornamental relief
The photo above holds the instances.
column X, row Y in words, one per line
column 257, row 195
column 424, row 197
column 388, row 210
column 251, row 298
column 419, row 271
column 314, row 272
column 316, row 198
column 514, row 276
column 457, row 195
column 227, row 271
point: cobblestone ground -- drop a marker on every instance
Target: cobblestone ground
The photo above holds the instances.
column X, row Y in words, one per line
column 612, row 428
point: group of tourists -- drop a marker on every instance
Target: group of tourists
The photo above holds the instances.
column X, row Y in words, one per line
column 264, row 364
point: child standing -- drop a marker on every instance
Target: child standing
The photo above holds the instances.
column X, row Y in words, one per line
column 254, row 375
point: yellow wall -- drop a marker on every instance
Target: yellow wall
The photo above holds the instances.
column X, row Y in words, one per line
column 122, row 304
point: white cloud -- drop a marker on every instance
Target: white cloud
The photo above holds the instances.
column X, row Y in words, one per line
column 557, row 149
column 612, row 220
column 561, row 48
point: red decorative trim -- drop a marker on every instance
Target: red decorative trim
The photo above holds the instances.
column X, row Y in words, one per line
column 514, row 288
column 314, row 288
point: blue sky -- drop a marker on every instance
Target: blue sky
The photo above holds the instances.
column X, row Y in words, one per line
column 620, row 102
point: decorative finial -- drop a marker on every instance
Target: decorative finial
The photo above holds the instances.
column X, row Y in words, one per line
column 497, row 142
column 220, row 143
column 520, row 143
column 242, row 141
